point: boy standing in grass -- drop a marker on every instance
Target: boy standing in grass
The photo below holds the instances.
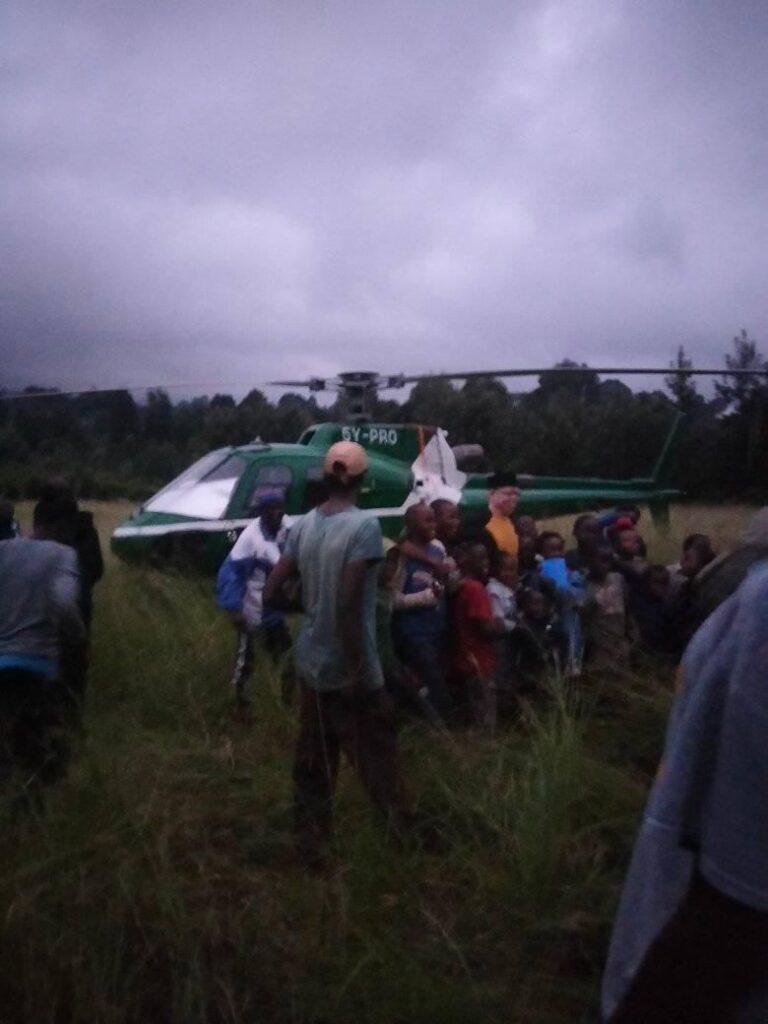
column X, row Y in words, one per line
column 536, row 643
column 240, row 592
column 605, row 615
column 570, row 590
column 335, row 550
column 501, row 588
column 475, row 631
column 419, row 623
column 588, row 535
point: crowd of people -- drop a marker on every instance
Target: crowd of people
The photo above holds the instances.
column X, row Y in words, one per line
column 459, row 623
column 473, row 619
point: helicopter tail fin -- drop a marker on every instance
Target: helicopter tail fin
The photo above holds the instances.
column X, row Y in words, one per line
column 664, row 470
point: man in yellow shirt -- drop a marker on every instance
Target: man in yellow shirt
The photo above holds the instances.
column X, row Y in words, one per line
column 502, row 501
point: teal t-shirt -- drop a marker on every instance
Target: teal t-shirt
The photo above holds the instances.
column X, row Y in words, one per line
column 323, row 545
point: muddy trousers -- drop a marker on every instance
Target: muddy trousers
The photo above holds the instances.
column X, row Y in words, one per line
column 363, row 727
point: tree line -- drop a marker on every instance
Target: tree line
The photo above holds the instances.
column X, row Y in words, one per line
column 109, row 445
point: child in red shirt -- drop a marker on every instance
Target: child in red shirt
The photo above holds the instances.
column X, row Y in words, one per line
column 474, row 655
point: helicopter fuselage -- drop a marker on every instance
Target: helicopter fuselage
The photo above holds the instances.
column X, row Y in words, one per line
column 198, row 516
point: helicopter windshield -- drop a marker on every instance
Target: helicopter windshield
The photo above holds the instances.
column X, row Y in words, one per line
column 203, row 490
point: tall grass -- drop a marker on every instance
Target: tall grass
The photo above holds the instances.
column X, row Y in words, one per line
column 159, row 882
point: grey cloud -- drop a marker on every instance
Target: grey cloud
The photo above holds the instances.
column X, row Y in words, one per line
column 198, row 192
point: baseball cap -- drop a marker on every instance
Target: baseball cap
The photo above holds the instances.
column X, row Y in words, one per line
column 345, row 460
column 270, row 498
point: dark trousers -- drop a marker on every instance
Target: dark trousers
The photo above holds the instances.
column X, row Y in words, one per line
column 362, row 726
column 481, row 691
column 32, row 743
column 426, row 659
column 73, row 670
column 711, row 956
column 276, row 641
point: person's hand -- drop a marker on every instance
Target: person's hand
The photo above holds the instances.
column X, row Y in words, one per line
column 442, row 570
column 237, row 619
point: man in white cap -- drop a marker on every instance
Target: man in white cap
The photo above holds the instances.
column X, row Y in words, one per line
column 335, row 550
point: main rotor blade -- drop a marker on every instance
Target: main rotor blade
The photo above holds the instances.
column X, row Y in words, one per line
column 196, row 387
column 619, row 371
column 393, row 381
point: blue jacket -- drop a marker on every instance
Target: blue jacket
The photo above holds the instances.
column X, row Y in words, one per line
column 241, row 579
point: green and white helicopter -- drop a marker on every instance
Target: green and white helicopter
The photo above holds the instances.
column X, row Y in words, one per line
column 197, row 517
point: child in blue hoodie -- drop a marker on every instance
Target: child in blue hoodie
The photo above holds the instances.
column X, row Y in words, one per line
column 570, row 589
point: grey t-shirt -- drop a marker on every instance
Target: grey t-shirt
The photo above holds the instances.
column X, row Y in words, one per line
column 709, row 807
column 39, row 589
column 323, row 545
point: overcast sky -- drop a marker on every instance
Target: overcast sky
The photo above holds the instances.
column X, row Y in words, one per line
column 207, row 192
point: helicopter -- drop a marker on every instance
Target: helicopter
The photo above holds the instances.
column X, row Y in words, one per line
column 197, row 517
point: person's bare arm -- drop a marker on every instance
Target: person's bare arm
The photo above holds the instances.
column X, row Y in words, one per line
column 420, row 599
column 351, row 597
column 286, row 569
column 501, row 625
column 437, row 565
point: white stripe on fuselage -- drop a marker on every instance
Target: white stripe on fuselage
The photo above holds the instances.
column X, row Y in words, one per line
column 223, row 525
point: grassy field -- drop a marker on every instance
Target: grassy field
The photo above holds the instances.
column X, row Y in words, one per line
column 160, row 885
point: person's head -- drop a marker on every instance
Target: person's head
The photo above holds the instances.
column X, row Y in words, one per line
column 474, row 561
column 344, row 467
column 504, row 494
column 551, row 544
column 600, row 563
column 657, row 582
column 526, row 526
column 447, row 519
column 534, row 606
column 697, row 552
column 55, row 519
column 504, row 569
column 420, row 523
column 627, row 542
column 55, row 488
column 7, row 512
column 587, row 532
column 271, row 509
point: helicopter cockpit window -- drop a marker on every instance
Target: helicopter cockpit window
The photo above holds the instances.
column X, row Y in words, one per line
column 269, row 478
column 203, row 490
